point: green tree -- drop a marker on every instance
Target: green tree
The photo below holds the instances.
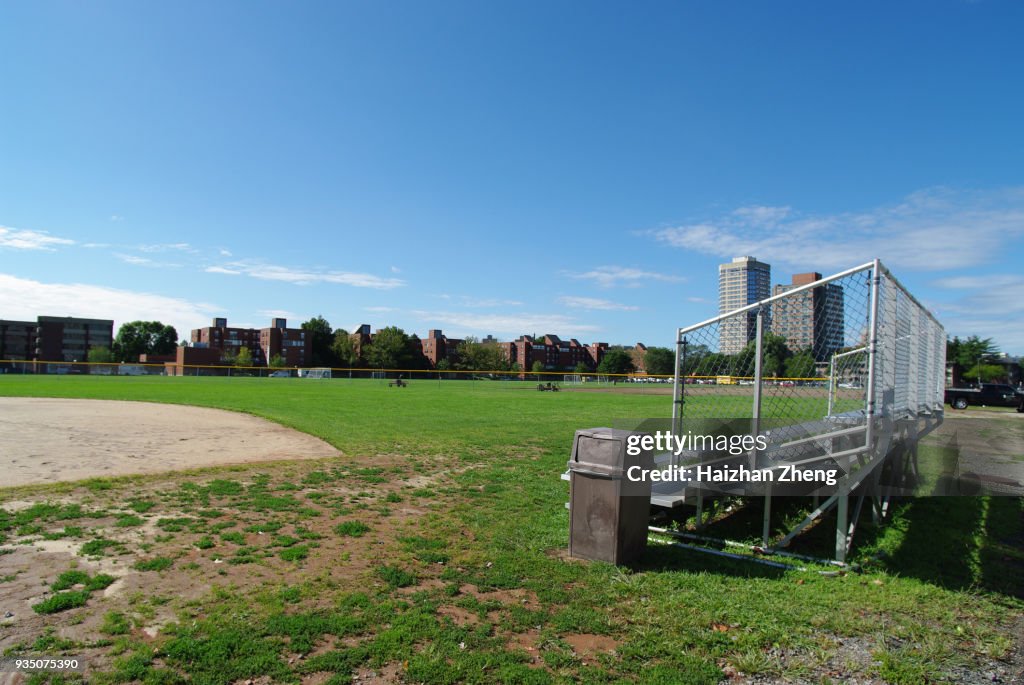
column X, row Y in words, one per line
column 389, row 349
column 581, row 367
column 277, row 361
column 616, row 361
column 659, row 361
column 694, row 355
column 344, row 349
column 800, row 365
column 537, row 367
column 986, row 373
column 970, row 352
column 143, row 337
column 244, row 357
column 741, row 364
column 322, row 337
column 773, row 361
column 99, row 355
column 776, row 352
column 417, row 360
column 472, row 355
column 710, row 364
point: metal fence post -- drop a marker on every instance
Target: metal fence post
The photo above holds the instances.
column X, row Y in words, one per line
column 758, row 372
column 842, row 508
column 677, row 390
column 755, row 424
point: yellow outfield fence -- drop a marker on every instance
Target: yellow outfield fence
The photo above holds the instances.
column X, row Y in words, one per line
column 560, row 377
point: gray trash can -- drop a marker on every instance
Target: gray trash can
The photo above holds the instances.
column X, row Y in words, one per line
column 608, row 513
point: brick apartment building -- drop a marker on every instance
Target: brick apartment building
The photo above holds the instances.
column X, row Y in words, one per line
column 293, row 345
column 54, row 338
column 810, row 320
column 553, row 352
column 438, row 347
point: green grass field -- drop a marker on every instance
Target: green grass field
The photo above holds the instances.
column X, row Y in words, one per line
column 433, row 551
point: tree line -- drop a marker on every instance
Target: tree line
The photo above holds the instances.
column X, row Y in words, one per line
column 972, row 359
column 393, row 348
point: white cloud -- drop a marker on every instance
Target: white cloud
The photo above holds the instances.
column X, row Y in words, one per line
column 116, row 217
column 30, row 240
column 760, row 215
column 167, row 247
column 697, row 300
column 143, row 261
column 513, row 325
column 222, row 270
column 271, row 272
column 594, row 303
column 609, row 276
column 934, row 229
column 224, row 253
column 26, row 299
column 380, row 310
column 482, row 302
column 132, row 259
column 395, row 270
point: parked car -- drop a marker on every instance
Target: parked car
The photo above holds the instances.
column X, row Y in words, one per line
column 281, row 374
column 985, row 395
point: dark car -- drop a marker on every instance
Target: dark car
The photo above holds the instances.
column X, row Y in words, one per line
column 985, row 395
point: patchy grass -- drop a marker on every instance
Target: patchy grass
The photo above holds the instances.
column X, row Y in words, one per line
column 115, row 623
column 154, row 564
column 98, row 547
column 352, row 529
column 296, row 553
column 62, row 601
column 129, row 521
column 396, row 577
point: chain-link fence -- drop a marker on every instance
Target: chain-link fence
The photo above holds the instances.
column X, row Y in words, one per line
column 834, row 372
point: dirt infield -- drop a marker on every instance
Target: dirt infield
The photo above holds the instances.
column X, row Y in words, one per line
column 48, row 440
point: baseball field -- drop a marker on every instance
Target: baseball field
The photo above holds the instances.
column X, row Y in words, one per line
column 418, row 535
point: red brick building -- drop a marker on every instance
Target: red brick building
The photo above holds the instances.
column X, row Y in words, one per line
column 195, row 357
column 437, row 347
column 293, row 345
column 553, row 352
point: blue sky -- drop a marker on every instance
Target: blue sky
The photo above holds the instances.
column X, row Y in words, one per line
column 578, row 168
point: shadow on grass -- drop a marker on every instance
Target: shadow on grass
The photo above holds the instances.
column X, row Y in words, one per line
column 957, row 543
column 954, row 542
column 660, row 558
